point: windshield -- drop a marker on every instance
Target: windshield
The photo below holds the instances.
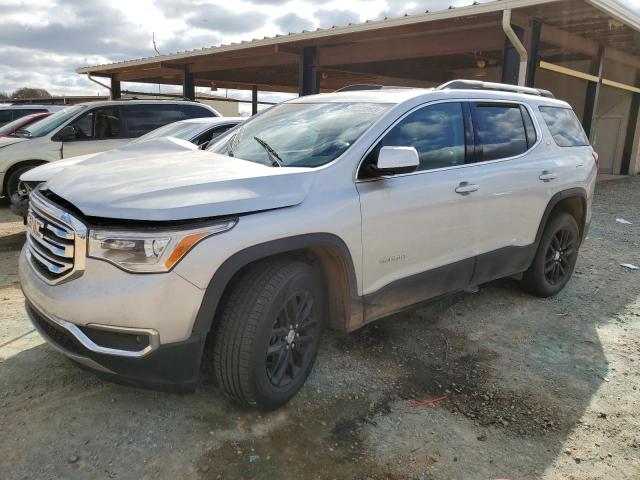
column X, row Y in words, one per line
column 300, row 134
column 181, row 130
column 47, row 125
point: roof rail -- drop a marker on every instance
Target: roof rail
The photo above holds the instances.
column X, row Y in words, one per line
column 503, row 87
column 368, row 86
column 360, row 86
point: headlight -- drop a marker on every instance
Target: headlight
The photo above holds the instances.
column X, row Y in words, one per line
column 153, row 251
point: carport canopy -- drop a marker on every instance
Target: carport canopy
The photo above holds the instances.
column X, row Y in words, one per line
column 414, row 50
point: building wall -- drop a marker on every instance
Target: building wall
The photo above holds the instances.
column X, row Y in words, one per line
column 226, row 109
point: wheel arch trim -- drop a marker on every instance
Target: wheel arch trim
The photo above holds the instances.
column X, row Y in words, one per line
column 306, row 242
column 576, row 192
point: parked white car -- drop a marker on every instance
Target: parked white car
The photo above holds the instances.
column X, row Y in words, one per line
column 178, row 136
column 10, row 112
column 87, row 128
column 330, row 210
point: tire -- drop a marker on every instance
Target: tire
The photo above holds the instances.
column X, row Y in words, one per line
column 555, row 258
column 13, row 179
column 256, row 359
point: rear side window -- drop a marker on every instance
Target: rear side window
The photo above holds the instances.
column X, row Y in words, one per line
column 435, row 131
column 27, row 111
column 195, row 111
column 564, row 126
column 500, row 131
column 5, row 116
column 142, row 119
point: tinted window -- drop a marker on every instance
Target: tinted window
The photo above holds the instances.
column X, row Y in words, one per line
column 5, row 116
column 142, row 119
column 212, row 134
column 564, row 126
column 435, row 131
column 500, row 131
column 98, row 124
column 530, row 130
column 27, row 111
column 195, row 111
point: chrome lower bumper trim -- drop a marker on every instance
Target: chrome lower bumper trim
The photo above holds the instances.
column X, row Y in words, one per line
column 86, row 342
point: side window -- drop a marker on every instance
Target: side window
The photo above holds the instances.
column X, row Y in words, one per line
column 195, row 111
column 5, row 116
column 98, row 124
column 500, row 131
column 28, row 111
column 206, row 137
column 530, row 130
column 564, row 127
column 142, row 118
column 435, row 131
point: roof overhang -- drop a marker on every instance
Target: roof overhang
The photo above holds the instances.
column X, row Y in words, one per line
column 367, row 52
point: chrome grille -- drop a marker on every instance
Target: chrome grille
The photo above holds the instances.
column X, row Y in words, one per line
column 56, row 241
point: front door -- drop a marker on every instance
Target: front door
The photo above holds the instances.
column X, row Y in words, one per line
column 415, row 238
column 98, row 130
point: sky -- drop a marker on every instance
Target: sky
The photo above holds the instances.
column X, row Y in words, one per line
column 42, row 42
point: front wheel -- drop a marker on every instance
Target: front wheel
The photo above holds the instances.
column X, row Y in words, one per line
column 269, row 332
column 555, row 258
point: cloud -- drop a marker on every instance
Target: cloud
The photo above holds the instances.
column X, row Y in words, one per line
column 338, row 18
column 224, row 20
column 293, row 23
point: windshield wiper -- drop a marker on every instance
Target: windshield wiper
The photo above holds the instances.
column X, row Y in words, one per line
column 276, row 161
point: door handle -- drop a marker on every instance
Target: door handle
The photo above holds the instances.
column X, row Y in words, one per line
column 547, row 176
column 465, row 188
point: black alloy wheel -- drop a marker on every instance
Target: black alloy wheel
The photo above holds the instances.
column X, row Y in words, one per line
column 294, row 331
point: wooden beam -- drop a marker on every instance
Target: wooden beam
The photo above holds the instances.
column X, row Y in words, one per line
column 572, row 42
column 617, row 56
column 214, row 63
column 419, row 47
column 568, row 41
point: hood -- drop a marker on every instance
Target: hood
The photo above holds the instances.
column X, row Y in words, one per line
column 179, row 186
column 131, row 150
column 6, row 141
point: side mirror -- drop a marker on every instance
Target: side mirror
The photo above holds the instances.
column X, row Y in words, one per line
column 394, row 160
column 67, row 134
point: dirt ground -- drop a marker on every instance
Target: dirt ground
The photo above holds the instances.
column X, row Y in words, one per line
column 529, row 389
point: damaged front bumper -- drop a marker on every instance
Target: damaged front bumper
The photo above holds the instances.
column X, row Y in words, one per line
column 20, row 204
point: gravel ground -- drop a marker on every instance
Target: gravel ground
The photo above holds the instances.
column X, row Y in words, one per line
column 528, row 389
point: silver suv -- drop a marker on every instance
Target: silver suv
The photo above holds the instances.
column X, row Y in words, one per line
column 331, row 210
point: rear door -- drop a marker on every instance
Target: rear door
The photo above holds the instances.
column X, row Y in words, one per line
column 98, row 130
column 416, row 242
column 510, row 197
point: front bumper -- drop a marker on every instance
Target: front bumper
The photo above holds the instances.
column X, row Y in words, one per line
column 86, row 318
column 20, row 204
column 170, row 367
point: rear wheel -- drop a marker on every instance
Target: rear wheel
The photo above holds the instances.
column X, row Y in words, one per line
column 555, row 258
column 269, row 332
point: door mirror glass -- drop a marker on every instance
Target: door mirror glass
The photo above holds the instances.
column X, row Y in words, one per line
column 68, row 133
column 394, row 160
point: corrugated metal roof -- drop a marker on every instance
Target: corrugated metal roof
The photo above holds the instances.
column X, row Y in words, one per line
column 451, row 12
column 611, row 7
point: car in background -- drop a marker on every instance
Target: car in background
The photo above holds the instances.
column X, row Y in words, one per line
column 199, row 131
column 189, row 135
column 87, row 128
column 10, row 112
column 11, row 128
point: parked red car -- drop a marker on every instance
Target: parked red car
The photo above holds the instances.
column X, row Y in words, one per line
column 11, row 127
